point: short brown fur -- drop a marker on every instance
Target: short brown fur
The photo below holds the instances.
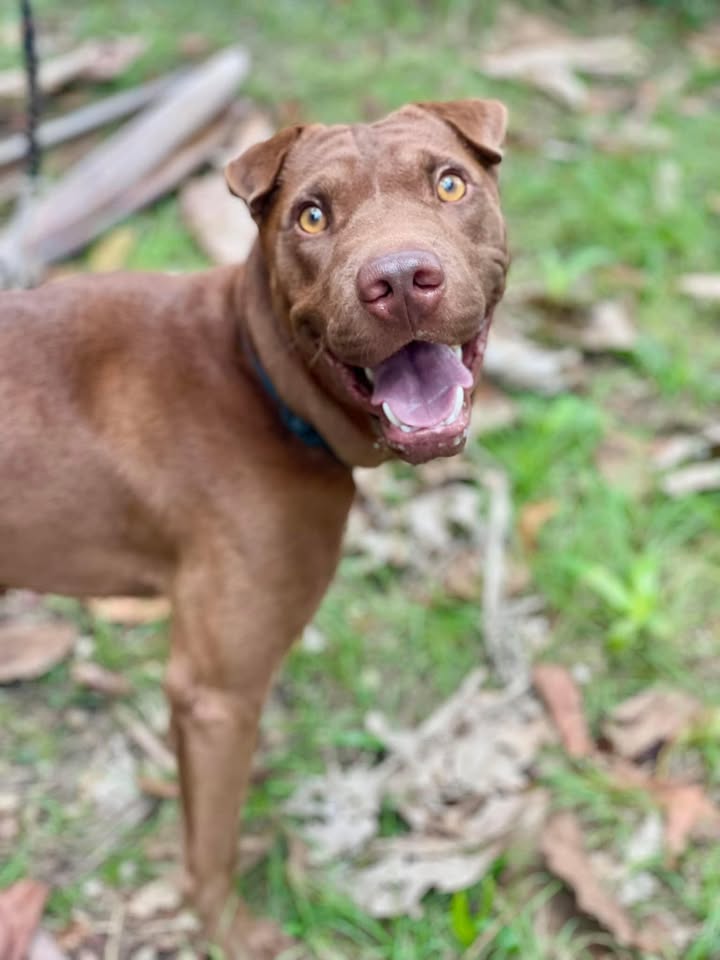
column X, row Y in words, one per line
column 141, row 454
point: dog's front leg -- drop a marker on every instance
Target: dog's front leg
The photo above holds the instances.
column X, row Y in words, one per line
column 226, row 644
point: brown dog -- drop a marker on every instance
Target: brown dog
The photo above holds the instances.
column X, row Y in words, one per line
column 194, row 436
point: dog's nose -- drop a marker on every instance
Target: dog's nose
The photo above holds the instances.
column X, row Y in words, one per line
column 403, row 286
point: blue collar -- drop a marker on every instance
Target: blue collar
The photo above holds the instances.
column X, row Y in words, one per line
column 300, row 428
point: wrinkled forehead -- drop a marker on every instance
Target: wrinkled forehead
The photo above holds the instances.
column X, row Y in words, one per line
column 382, row 155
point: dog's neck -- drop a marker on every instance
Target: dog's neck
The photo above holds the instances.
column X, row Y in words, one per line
column 348, row 434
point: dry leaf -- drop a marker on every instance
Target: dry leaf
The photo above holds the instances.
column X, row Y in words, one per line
column 492, row 410
column 159, row 789
column 130, row 611
column 156, row 897
column 97, row 678
column 406, row 868
column 687, row 807
column 220, row 223
column 521, row 364
column 563, row 699
column 112, row 251
column 533, row 517
column 21, row 907
column 698, row 478
column 623, row 460
column 551, row 64
column 460, row 781
column 563, row 848
column 29, row 650
column 45, row 947
column 701, row 286
column 608, row 328
column 340, row 811
column 648, row 720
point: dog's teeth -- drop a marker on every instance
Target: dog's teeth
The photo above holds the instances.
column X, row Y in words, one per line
column 457, row 406
column 458, row 352
column 406, row 428
column 369, row 374
column 387, row 410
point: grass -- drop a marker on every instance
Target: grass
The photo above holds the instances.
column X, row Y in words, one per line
column 630, row 578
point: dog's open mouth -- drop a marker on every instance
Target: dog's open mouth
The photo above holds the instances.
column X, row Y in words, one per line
column 421, row 396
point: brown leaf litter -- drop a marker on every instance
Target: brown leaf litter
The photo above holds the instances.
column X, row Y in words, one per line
column 461, row 781
column 704, row 287
column 21, row 907
column 220, row 223
column 130, row 611
column 649, row 720
column 539, row 52
column 564, row 850
column 563, row 700
column 29, row 649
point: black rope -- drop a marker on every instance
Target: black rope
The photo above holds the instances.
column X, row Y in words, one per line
column 34, row 155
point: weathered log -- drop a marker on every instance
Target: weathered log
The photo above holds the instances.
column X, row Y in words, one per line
column 90, row 195
column 87, row 119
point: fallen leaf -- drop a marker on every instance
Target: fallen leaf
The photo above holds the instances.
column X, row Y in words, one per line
column 645, row 722
column 623, row 459
column 563, row 848
column 97, row 678
column 462, row 576
column 698, row 478
column 220, row 223
column 706, row 45
column 532, row 518
column 112, row 251
column 553, row 62
column 671, row 451
column 492, row 410
column 156, row 897
column 29, row 650
column 521, row 364
column 21, row 907
column 701, row 286
column 687, row 807
column 461, row 781
column 561, row 695
column 406, row 868
column 130, row 611
column 45, row 947
column 340, row 810
column 159, row 789
column 608, row 328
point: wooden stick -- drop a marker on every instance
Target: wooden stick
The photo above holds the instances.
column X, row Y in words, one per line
column 86, row 119
column 77, row 207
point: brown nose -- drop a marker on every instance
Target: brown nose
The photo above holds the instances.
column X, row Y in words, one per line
column 405, row 286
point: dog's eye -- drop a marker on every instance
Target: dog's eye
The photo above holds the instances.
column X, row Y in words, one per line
column 312, row 219
column 451, row 187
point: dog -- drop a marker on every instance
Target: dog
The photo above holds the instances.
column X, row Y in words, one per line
column 194, row 436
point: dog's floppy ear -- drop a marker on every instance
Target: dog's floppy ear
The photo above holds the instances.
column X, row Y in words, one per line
column 253, row 175
column 482, row 123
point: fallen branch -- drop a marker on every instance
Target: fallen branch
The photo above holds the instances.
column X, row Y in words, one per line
column 86, row 119
column 94, row 60
column 70, row 214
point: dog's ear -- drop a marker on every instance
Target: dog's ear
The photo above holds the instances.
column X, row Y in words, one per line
column 482, row 123
column 252, row 176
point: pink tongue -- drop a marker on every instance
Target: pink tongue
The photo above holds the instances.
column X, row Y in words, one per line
column 419, row 382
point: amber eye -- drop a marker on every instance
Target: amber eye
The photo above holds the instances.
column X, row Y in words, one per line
column 312, row 219
column 451, row 187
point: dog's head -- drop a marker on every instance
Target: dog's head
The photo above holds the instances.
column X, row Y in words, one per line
column 386, row 250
